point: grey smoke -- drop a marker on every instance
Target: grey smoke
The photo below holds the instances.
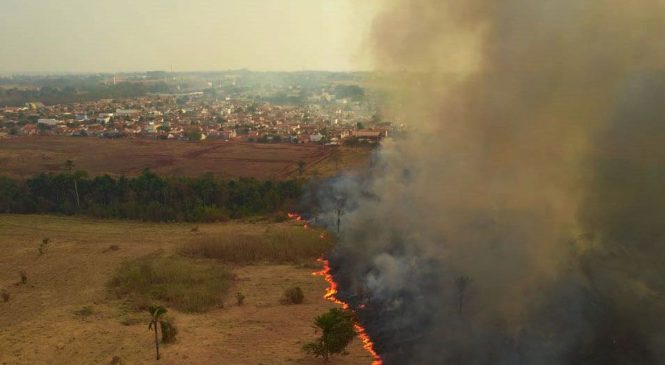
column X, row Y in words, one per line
column 535, row 166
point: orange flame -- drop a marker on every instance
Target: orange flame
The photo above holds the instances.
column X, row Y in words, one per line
column 330, row 295
column 298, row 218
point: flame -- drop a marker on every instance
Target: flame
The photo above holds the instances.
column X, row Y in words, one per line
column 330, row 295
column 298, row 218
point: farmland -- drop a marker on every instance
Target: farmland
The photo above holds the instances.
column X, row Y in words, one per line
column 23, row 157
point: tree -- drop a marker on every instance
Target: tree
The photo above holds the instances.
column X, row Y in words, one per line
column 301, row 167
column 194, row 135
column 461, row 283
column 69, row 166
column 156, row 313
column 337, row 331
column 336, row 156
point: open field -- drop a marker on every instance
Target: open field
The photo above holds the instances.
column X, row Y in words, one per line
column 47, row 320
column 25, row 156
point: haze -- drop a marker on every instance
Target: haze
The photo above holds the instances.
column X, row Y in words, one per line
column 186, row 35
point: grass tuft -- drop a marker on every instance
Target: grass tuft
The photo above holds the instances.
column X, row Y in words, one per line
column 175, row 281
column 287, row 244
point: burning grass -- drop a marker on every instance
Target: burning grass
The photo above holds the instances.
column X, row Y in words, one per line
column 283, row 244
column 174, row 281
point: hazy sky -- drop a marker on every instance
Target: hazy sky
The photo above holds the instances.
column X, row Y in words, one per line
column 139, row 35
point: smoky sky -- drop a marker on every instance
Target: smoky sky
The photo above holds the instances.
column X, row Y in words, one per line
column 520, row 221
column 186, row 35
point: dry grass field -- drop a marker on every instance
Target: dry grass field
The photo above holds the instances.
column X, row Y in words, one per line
column 25, row 156
column 66, row 313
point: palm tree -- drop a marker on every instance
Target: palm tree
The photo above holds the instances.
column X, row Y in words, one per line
column 156, row 313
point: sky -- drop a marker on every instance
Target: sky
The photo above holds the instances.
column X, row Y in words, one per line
column 185, row 35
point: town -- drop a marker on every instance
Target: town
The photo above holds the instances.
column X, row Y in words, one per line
column 278, row 108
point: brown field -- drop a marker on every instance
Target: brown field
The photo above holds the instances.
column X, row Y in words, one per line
column 39, row 324
column 25, row 156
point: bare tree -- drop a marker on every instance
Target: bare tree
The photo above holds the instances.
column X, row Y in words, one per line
column 461, row 283
column 336, row 156
column 341, row 202
column 301, row 167
column 69, row 166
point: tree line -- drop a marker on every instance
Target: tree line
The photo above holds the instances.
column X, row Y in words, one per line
column 147, row 197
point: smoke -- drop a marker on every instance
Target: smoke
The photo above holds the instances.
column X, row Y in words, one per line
column 521, row 220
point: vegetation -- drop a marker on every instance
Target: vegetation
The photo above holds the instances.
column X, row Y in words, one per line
column 43, row 246
column 461, row 284
column 185, row 285
column 337, row 331
column 85, row 311
column 240, row 298
column 169, row 330
column 294, row 296
column 156, row 313
column 80, row 90
column 280, row 245
column 147, row 197
column 5, row 295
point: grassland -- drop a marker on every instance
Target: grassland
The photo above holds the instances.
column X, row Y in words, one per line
column 65, row 313
column 22, row 157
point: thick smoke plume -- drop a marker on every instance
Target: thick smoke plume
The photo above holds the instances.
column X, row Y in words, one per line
column 522, row 221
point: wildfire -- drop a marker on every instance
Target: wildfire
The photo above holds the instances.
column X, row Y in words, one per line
column 331, row 295
column 298, row 218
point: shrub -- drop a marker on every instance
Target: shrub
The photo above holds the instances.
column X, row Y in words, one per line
column 169, row 330
column 112, row 248
column 180, row 283
column 337, row 331
column 43, row 246
column 5, row 295
column 286, row 244
column 240, row 298
column 84, row 312
column 294, row 296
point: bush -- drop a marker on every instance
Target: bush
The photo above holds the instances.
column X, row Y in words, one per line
column 169, row 330
column 84, row 312
column 337, row 331
column 294, row 296
column 111, row 248
column 43, row 246
column 185, row 285
column 240, row 299
column 285, row 244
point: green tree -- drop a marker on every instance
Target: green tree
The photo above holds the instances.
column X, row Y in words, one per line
column 194, row 135
column 337, row 331
column 156, row 313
